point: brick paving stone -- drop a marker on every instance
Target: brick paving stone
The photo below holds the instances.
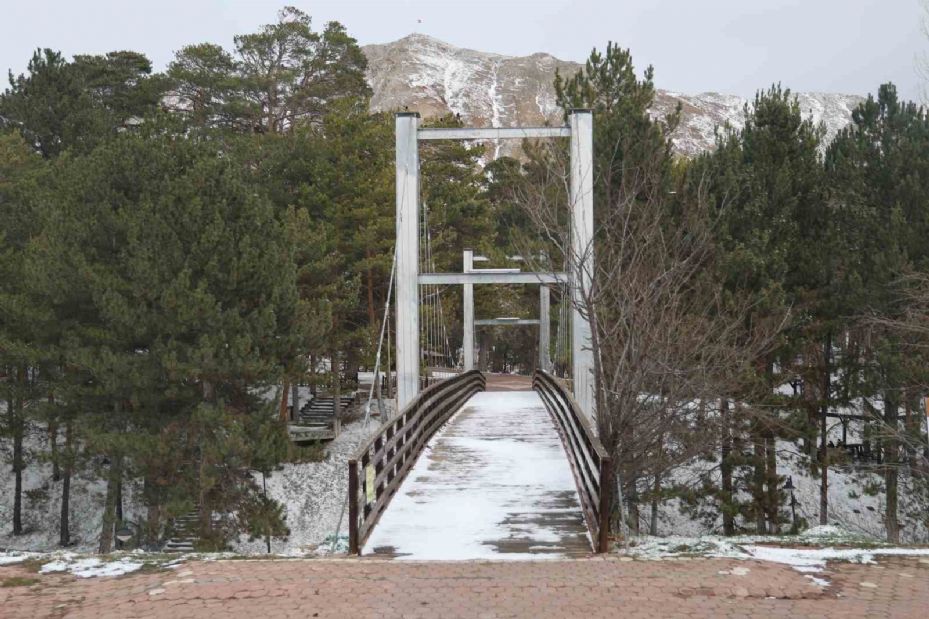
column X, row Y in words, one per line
column 586, row 588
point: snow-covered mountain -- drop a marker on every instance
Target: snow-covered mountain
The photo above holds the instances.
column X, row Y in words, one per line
column 429, row 76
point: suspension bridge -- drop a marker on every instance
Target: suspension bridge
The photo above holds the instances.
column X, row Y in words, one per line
column 477, row 466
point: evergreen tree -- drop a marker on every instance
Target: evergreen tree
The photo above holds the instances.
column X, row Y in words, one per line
column 765, row 182
column 277, row 79
column 21, row 317
column 878, row 171
column 59, row 104
column 177, row 283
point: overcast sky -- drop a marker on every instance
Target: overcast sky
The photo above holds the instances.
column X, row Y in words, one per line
column 731, row 46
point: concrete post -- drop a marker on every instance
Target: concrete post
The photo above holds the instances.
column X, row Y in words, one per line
column 407, row 155
column 544, row 328
column 468, row 303
column 582, row 257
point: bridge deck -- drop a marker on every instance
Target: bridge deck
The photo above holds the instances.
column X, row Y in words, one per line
column 495, row 483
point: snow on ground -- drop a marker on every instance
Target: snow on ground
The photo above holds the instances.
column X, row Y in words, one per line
column 314, row 495
column 42, row 501
column 85, row 566
column 90, row 567
column 856, row 499
column 807, row 552
column 493, row 483
column 9, row 558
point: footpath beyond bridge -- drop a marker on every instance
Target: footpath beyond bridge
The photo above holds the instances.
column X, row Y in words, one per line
column 512, row 472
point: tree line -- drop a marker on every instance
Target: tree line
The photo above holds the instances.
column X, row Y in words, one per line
column 179, row 247
column 770, row 290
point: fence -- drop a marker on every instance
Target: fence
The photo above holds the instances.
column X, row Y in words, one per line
column 380, row 465
column 590, row 462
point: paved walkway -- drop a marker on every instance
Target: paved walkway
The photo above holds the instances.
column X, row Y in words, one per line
column 590, row 588
column 495, row 483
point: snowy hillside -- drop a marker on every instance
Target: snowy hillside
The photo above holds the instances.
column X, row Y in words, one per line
column 434, row 78
column 314, row 496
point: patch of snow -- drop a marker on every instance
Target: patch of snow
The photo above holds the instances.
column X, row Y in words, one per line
column 822, row 582
column 90, row 567
column 814, row 559
column 805, row 560
column 42, row 499
column 494, row 105
column 824, row 530
column 9, row 558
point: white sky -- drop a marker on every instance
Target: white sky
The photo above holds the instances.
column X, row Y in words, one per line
column 731, row 46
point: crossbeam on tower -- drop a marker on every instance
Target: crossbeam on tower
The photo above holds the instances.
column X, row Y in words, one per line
column 484, row 277
column 493, row 133
column 493, row 322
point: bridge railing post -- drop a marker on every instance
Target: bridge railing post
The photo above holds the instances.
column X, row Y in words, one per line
column 387, row 457
column 353, row 545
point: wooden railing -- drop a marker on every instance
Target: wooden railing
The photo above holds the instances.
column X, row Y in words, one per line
column 380, row 465
column 590, row 462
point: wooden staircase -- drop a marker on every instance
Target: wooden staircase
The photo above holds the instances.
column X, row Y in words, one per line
column 316, row 419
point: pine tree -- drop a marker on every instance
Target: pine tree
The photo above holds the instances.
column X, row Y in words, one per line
column 772, row 245
column 59, row 105
column 878, row 172
column 178, row 284
column 21, row 318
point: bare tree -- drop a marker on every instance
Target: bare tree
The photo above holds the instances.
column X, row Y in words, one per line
column 669, row 349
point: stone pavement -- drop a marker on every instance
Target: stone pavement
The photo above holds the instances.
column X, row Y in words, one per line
column 587, row 588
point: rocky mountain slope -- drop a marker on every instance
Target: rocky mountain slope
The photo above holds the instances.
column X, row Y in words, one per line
column 434, row 78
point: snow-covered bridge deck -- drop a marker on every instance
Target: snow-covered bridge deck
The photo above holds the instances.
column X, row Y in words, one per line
column 494, row 483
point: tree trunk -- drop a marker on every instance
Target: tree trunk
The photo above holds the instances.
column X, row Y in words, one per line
column 372, row 313
column 154, row 511
column 773, row 485
column 64, row 528
column 53, row 447
column 336, row 385
column 487, row 356
column 725, row 468
column 15, row 408
column 824, row 431
column 109, row 508
column 891, row 458
column 758, row 479
column 653, row 520
column 119, row 501
column 283, row 414
column 295, row 396
column 633, row 508
column 312, row 374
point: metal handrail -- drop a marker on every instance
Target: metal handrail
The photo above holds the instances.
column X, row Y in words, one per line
column 590, row 462
column 379, row 466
